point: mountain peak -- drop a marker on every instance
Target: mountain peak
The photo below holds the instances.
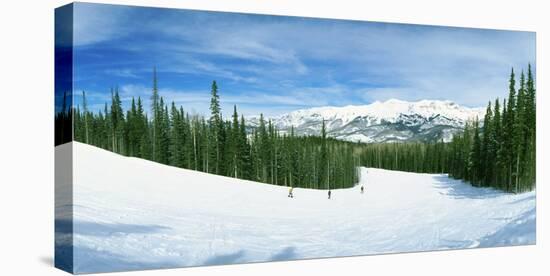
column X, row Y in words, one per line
column 395, row 101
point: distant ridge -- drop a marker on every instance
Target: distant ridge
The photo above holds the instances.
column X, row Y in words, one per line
column 389, row 121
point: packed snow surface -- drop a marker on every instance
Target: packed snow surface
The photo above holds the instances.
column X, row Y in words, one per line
column 135, row 214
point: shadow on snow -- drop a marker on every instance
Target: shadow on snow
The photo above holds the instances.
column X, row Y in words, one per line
column 79, row 259
column 225, row 258
column 519, row 231
column 89, row 260
column 286, row 254
column 459, row 189
column 98, row 229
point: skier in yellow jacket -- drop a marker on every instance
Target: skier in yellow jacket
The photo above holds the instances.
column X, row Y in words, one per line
column 290, row 192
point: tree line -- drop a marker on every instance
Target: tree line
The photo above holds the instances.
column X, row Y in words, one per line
column 501, row 153
column 497, row 152
column 171, row 136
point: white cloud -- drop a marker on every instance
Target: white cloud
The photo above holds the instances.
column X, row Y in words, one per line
column 298, row 62
column 94, row 23
column 126, row 73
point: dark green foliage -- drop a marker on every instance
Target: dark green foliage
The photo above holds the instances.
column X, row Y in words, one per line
column 493, row 156
column 491, row 131
column 64, row 131
column 156, row 109
column 410, row 157
column 244, row 152
column 508, row 141
column 530, row 123
column 476, row 157
column 215, row 140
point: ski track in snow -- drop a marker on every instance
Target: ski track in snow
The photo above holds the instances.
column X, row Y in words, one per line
column 132, row 214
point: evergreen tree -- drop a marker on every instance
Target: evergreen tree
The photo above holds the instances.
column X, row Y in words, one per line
column 215, row 141
column 508, row 143
column 176, row 137
column 156, row 109
column 487, row 149
column 244, row 152
column 164, row 135
column 519, row 135
column 530, row 139
column 324, row 166
column 494, row 147
column 263, row 150
column 117, row 121
column 85, row 109
column 132, row 134
column 235, row 144
column 141, row 129
column 475, row 156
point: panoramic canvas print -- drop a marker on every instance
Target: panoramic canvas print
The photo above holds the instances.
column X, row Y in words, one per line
column 193, row 138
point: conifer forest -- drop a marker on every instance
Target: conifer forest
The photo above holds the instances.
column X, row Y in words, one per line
column 495, row 151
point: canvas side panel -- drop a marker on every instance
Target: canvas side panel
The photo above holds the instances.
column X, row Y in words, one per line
column 63, row 138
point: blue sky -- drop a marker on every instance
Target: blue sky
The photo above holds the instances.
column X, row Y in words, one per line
column 274, row 64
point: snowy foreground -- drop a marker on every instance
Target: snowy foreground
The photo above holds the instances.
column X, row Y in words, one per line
column 134, row 214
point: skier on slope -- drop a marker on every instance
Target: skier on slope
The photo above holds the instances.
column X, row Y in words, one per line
column 329, row 194
column 290, row 192
column 362, row 187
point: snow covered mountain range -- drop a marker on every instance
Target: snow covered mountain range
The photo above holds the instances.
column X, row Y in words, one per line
column 389, row 121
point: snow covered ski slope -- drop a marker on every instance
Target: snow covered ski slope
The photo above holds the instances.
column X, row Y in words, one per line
column 136, row 214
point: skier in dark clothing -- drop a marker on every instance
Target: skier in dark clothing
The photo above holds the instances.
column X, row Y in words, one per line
column 328, row 194
column 362, row 189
